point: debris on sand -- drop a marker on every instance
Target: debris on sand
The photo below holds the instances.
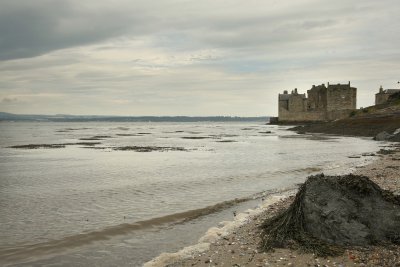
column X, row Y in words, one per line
column 330, row 213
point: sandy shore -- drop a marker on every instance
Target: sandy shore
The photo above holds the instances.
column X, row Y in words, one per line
column 236, row 243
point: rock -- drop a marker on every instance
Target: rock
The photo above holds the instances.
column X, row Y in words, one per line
column 332, row 212
column 383, row 136
column 395, row 137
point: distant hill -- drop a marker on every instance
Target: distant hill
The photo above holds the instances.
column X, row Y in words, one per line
column 81, row 118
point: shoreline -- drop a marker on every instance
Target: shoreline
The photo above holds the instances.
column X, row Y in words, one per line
column 236, row 243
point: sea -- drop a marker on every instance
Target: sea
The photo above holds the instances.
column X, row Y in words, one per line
column 121, row 193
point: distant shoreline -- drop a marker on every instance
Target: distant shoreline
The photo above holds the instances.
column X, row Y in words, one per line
column 86, row 118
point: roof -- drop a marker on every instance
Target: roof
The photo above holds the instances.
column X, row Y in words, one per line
column 389, row 91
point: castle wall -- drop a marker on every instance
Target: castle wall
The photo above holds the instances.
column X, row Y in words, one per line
column 316, row 98
column 297, row 103
column 285, row 115
column 341, row 97
column 338, row 114
column 381, row 98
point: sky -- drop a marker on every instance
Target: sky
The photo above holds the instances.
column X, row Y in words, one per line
column 186, row 57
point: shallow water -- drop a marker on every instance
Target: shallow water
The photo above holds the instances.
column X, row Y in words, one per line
column 95, row 204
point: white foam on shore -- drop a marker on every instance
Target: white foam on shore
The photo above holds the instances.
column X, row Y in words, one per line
column 213, row 234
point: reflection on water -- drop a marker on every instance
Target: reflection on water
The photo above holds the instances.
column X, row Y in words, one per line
column 60, row 200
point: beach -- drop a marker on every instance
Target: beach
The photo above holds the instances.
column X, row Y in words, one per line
column 120, row 194
column 240, row 245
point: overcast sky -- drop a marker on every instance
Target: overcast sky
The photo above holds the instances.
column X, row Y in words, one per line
column 186, row 57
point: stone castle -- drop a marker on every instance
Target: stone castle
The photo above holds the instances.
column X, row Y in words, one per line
column 383, row 95
column 331, row 102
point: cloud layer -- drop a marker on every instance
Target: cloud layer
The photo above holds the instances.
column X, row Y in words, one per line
column 189, row 57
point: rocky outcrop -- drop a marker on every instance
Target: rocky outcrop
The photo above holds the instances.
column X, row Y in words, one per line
column 332, row 212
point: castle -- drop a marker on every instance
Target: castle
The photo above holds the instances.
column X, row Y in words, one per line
column 331, row 102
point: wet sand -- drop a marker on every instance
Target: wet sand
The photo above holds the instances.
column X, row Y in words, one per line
column 236, row 243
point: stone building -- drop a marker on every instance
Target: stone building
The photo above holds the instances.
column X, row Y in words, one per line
column 331, row 102
column 383, row 95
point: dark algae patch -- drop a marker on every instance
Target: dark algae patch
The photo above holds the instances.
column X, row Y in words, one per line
column 38, row 146
column 50, row 146
column 85, row 143
column 331, row 213
column 149, row 148
column 121, row 134
column 196, row 137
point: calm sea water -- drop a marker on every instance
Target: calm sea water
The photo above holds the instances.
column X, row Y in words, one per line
column 92, row 204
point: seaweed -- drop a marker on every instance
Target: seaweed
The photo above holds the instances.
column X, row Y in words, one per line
column 305, row 226
column 37, row 146
column 149, row 148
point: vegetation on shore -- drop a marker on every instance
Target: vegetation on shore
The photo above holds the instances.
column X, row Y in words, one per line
column 366, row 122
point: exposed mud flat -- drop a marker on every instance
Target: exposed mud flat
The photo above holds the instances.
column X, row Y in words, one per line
column 95, row 138
column 196, row 137
column 149, row 148
column 50, row 146
column 84, row 143
column 71, row 129
column 91, row 139
column 92, row 145
column 38, row 146
column 127, row 134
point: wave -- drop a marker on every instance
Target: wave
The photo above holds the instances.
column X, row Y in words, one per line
column 25, row 253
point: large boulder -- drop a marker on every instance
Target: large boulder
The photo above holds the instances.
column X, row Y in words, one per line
column 383, row 136
column 332, row 212
column 396, row 136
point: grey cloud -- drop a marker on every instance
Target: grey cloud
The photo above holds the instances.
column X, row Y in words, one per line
column 31, row 28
